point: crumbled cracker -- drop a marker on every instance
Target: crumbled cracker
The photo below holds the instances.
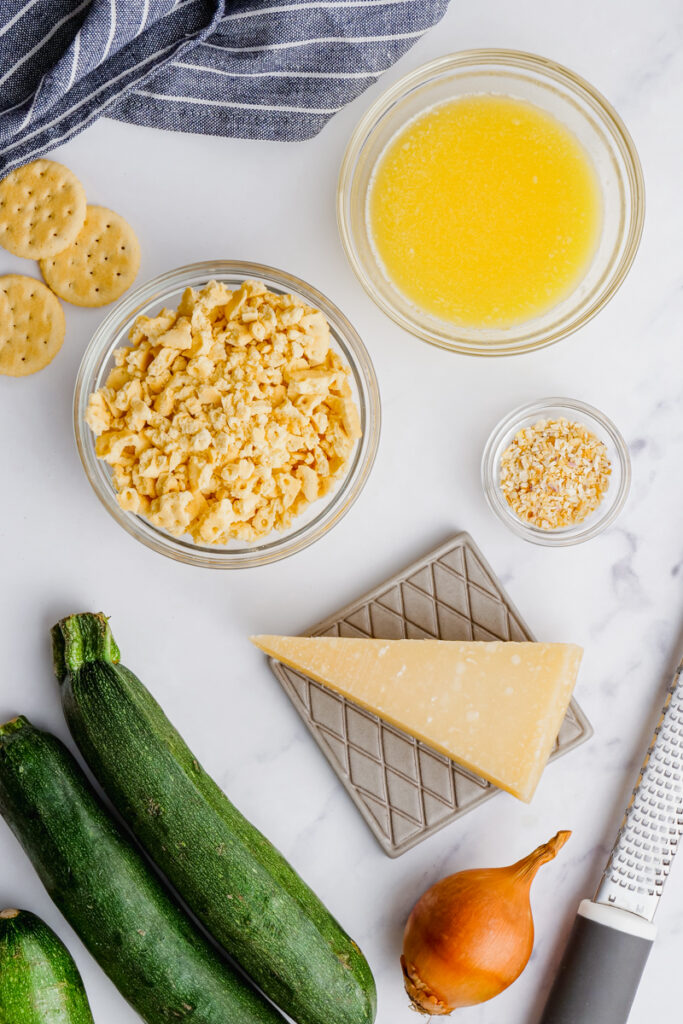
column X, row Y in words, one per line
column 554, row 473
column 217, row 422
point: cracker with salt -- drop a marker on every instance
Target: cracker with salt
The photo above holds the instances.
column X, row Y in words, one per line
column 42, row 209
column 31, row 325
column 100, row 265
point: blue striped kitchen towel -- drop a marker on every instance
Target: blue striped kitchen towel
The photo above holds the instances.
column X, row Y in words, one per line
column 277, row 69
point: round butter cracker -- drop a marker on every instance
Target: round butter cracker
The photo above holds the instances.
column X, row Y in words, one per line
column 42, row 209
column 32, row 331
column 100, row 265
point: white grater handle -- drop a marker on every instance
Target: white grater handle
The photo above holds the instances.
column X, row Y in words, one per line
column 601, row 968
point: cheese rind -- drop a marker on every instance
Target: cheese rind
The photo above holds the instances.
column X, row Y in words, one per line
column 495, row 708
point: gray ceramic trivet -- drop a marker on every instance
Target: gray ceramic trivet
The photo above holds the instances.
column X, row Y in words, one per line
column 405, row 790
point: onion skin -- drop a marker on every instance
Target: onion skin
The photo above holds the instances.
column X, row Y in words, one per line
column 471, row 935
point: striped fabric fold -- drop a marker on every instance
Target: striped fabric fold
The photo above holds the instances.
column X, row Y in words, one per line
column 276, row 70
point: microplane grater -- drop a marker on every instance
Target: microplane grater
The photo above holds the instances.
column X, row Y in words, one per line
column 653, row 824
column 612, row 935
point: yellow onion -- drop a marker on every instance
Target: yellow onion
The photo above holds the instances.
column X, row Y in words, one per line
column 471, row 934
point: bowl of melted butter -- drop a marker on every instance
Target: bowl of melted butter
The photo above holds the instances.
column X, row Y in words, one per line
column 491, row 202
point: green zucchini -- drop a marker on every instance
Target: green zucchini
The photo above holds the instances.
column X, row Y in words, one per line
column 39, row 982
column 238, row 885
column 141, row 939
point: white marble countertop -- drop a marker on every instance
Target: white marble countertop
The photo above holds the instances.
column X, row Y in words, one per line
column 184, row 630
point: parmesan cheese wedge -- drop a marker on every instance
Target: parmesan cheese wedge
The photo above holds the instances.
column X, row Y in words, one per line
column 495, row 708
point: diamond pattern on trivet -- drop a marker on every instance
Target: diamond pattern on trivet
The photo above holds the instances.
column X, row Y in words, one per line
column 405, row 790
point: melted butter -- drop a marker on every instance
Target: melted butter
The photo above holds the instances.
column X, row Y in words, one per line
column 485, row 211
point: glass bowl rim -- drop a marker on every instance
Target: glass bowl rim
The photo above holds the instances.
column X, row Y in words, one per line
column 351, row 484
column 509, row 424
column 551, row 70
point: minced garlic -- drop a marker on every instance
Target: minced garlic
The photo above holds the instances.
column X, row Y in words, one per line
column 554, row 473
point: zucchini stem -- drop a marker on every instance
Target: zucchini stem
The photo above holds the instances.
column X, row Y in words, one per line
column 14, row 725
column 79, row 639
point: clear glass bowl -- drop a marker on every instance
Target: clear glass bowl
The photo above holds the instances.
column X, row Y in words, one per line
column 322, row 515
column 579, row 412
column 569, row 99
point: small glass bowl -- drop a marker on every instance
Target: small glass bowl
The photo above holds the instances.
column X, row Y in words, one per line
column 595, row 421
column 321, row 516
column 559, row 92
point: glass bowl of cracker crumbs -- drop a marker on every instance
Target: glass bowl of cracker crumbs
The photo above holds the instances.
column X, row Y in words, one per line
column 556, row 471
column 227, row 414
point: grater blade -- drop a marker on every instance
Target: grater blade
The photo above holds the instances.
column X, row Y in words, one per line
column 648, row 838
